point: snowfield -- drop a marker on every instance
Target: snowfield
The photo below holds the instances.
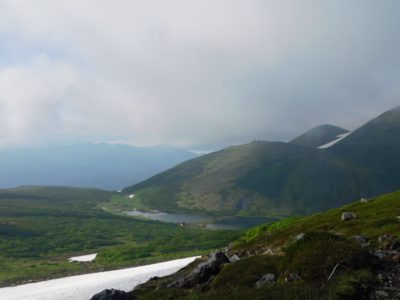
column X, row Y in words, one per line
column 83, row 287
column 83, row 258
column 337, row 140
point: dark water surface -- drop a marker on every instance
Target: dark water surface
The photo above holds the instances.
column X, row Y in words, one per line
column 211, row 221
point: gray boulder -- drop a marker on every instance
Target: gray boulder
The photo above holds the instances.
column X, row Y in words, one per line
column 234, row 258
column 362, row 240
column 292, row 277
column 202, row 273
column 112, row 295
column 266, row 279
column 346, row 216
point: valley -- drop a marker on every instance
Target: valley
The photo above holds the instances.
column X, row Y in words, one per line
column 41, row 227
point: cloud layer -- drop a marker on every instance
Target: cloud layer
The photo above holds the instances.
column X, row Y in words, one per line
column 192, row 73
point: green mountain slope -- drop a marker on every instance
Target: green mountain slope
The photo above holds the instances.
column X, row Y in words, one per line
column 319, row 136
column 315, row 257
column 274, row 178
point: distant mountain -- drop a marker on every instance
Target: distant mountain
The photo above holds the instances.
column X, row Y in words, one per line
column 274, row 178
column 319, row 136
column 86, row 165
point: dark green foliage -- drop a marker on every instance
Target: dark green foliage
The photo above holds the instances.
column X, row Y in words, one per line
column 40, row 227
column 315, row 255
column 246, row 272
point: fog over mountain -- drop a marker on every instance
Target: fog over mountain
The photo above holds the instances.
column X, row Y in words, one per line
column 192, row 73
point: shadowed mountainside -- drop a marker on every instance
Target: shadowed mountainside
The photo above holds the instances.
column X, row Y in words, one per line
column 275, row 178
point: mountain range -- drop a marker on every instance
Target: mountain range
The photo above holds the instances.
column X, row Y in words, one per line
column 102, row 165
column 323, row 168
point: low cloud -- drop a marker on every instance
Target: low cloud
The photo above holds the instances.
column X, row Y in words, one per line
column 192, row 73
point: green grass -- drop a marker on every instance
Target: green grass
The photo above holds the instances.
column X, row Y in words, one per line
column 41, row 227
column 377, row 217
column 311, row 247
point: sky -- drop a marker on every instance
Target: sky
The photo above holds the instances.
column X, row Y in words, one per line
column 195, row 74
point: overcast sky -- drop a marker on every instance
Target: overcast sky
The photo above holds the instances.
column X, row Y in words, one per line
column 193, row 73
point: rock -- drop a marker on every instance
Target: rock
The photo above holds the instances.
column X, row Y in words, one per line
column 266, row 279
column 389, row 242
column 381, row 295
column 111, row 295
column 202, row 273
column 211, row 267
column 381, row 254
column 362, row 240
column 396, row 258
column 292, row 277
column 364, row 200
column 299, row 237
column 346, row 216
column 234, row 258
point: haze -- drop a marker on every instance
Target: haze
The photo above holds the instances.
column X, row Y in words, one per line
column 192, row 73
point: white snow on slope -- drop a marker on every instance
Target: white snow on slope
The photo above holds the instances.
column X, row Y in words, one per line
column 83, row 258
column 338, row 139
column 83, row 287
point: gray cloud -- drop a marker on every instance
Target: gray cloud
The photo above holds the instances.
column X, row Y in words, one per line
column 191, row 72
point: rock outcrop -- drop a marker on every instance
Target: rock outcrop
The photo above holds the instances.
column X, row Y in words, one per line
column 202, row 274
column 112, row 295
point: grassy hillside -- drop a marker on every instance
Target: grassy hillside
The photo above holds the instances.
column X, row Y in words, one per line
column 315, row 257
column 41, row 227
column 280, row 179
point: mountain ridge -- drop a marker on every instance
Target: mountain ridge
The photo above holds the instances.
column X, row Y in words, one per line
column 280, row 179
column 319, row 135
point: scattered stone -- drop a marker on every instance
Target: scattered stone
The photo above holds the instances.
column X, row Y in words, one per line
column 346, row 216
column 299, row 236
column 234, row 258
column 292, row 277
column 268, row 252
column 266, row 279
column 111, row 295
column 389, row 242
column 381, row 295
column 381, row 254
column 362, row 240
column 396, row 258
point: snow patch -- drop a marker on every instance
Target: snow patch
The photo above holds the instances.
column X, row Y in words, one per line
column 83, row 287
column 338, row 139
column 83, row 258
column 132, row 196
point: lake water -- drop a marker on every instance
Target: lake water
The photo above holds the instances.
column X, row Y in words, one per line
column 172, row 218
column 240, row 222
column 211, row 222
